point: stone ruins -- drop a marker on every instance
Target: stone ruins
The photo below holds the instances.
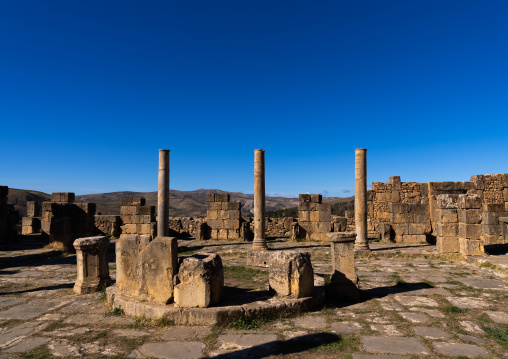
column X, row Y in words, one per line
column 8, row 218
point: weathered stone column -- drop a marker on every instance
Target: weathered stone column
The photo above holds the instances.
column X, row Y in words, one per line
column 93, row 269
column 163, row 195
column 361, row 243
column 259, row 200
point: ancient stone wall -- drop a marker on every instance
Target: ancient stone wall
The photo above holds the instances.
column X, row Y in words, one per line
column 136, row 218
column 279, row 227
column 223, row 218
column 186, row 227
column 314, row 218
column 9, row 217
column 108, row 224
column 63, row 221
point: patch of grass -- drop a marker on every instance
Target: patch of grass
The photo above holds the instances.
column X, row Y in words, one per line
column 486, row 265
column 163, row 322
column 240, row 272
column 57, row 324
column 500, row 335
column 327, row 278
column 184, row 250
column 112, row 267
column 375, row 270
column 451, row 309
column 129, row 343
column 140, row 322
column 101, row 334
column 352, row 343
column 41, row 352
column 243, row 323
column 104, row 296
column 116, row 312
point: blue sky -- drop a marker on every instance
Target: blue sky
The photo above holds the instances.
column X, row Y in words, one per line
column 90, row 90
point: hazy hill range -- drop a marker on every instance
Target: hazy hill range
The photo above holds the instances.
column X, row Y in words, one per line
column 181, row 203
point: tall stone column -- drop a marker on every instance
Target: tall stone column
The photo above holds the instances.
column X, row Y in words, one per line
column 361, row 243
column 259, row 200
column 163, row 195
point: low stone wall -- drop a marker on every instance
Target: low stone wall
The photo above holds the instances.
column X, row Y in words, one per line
column 9, row 217
column 108, row 225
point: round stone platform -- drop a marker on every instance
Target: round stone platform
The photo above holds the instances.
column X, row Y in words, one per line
column 272, row 307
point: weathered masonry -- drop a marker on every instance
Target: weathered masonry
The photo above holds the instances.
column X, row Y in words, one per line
column 461, row 217
column 8, row 218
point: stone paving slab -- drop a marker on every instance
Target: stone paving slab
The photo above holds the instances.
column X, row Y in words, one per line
column 185, row 333
column 393, row 345
column 431, row 333
column 498, row 317
column 376, row 356
column 459, row 349
column 310, row 322
column 27, row 344
column 170, row 350
column 32, row 309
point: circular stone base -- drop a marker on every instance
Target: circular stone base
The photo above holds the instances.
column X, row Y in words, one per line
column 273, row 307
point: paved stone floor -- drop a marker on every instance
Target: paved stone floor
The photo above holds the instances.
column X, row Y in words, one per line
column 415, row 305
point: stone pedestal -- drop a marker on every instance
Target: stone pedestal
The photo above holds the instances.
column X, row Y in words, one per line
column 343, row 282
column 291, row 274
column 362, row 242
column 259, row 242
column 200, row 281
column 93, row 269
column 163, row 195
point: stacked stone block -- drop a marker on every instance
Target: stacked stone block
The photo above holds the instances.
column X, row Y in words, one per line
column 63, row 221
column 187, row 227
column 8, row 218
column 32, row 222
column 136, row 218
column 470, row 227
column 410, row 222
column 350, row 221
column 447, row 225
column 223, row 218
column 314, row 217
column 339, row 224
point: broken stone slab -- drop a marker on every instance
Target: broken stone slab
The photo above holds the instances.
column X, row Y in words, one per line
column 258, row 258
column 431, row 333
column 343, row 281
column 145, row 269
column 92, row 264
column 291, row 274
column 200, row 281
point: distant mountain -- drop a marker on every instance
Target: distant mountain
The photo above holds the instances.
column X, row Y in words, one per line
column 181, row 203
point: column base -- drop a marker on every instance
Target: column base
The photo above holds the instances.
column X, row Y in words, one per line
column 259, row 244
column 361, row 248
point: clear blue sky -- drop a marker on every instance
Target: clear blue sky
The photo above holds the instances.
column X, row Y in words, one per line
column 90, row 90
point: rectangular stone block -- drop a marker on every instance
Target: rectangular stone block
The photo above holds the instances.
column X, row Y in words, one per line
column 490, row 239
column 214, row 223
column 505, row 194
column 222, row 234
column 448, row 245
column 316, row 198
column 214, row 234
column 400, row 228
column 291, row 274
column 417, row 228
column 29, row 221
column 303, row 197
column 323, row 227
column 490, row 218
column 492, row 229
column 470, row 231
column 33, row 209
column 150, row 210
column 304, row 216
column 212, row 214
column 470, row 216
column 129, row 210
column 133, row 201
column 234, row 214
column 448, row 201
column 314, row 216
column 414, row 238
column 383, row 216
column 493, row 207
column 471, row 247
column 401, row 218
column 87, row 208
column 63, row 197
column 231, row 224
column 214, row 206
column 447, row 215
column 229, row 206
column 222, row 197
column 304, row 206
column 210, row 197
column 129, row 228
column 447, row 230
column 470, row 201
column 384, row 197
